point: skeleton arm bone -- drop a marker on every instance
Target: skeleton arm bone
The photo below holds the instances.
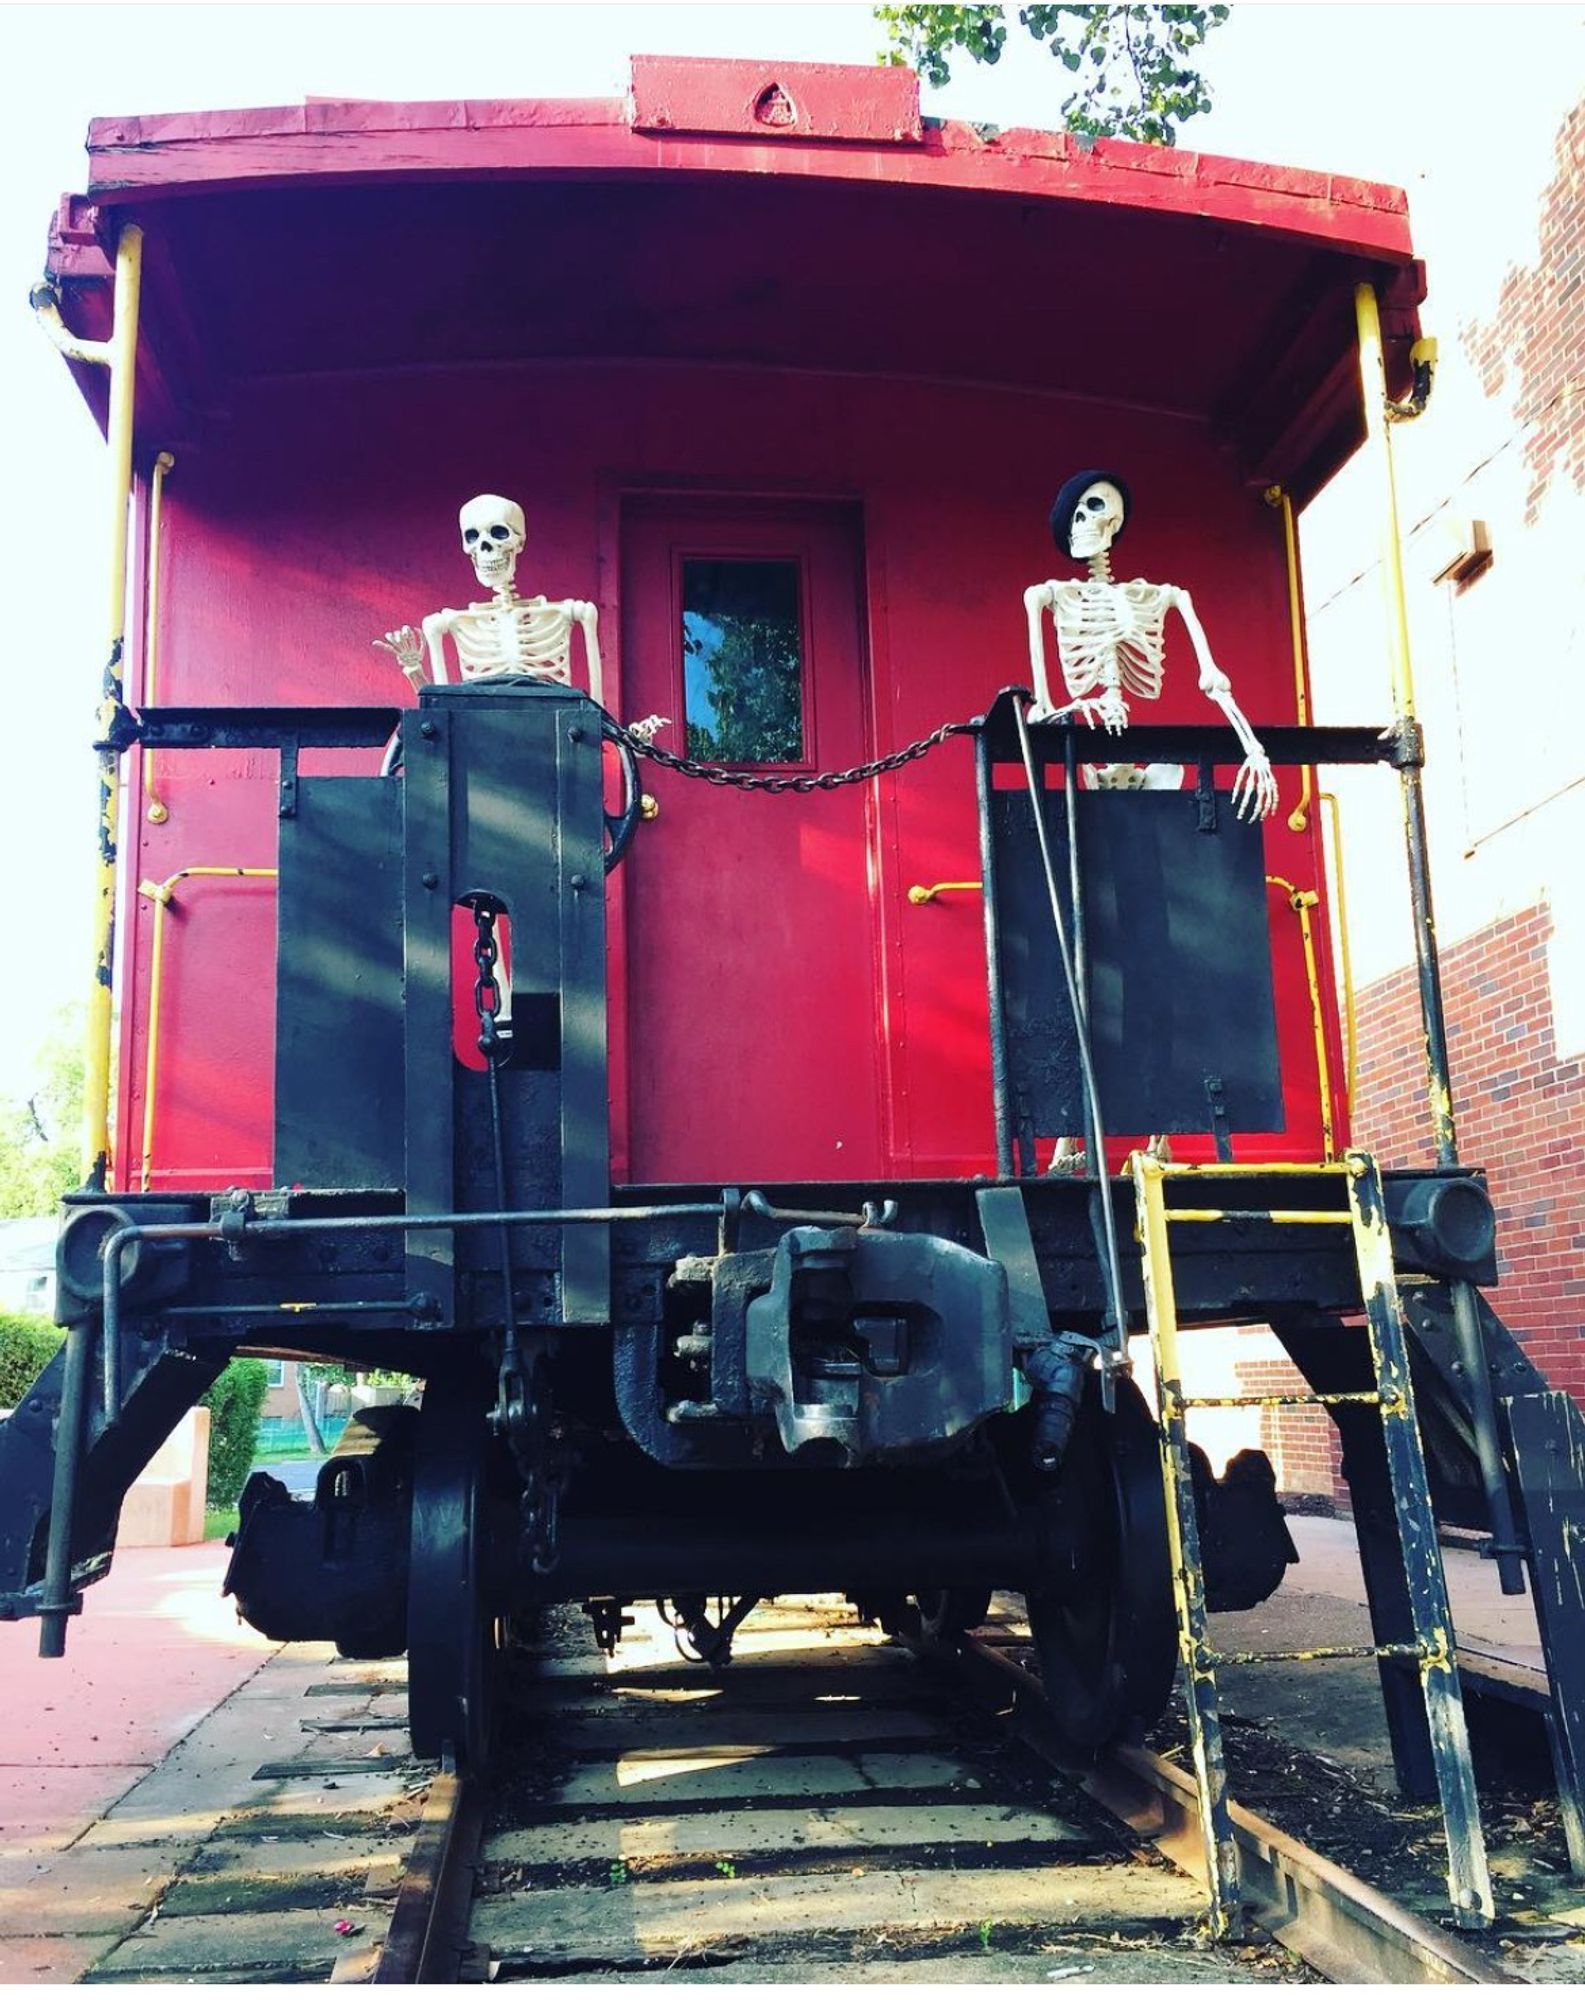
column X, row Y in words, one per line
column 589, row 618
column 1255, row 788
column 436, row 626
column 1037, row 600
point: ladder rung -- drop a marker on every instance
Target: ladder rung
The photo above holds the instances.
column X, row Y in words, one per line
column 1339, row 1218
column 1275, row 1402
column 1247, row 1169
column 1406, row 1652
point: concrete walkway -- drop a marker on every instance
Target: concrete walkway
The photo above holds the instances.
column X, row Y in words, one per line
column 155, row 1650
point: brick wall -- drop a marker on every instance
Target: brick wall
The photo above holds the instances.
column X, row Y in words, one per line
column 1521, row 1116
column 1534, row 340
column 1301, row 1443
column 1520, row 1112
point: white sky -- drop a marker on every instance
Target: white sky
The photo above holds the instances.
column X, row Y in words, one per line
column 1363, row 89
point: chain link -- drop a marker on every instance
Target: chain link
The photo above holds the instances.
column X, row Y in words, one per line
column 486, row 988
column 808, row 781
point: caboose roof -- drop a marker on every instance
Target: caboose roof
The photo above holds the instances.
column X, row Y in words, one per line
column 747, row 213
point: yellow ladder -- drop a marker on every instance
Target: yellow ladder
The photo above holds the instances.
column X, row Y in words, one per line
column 1469, row 1883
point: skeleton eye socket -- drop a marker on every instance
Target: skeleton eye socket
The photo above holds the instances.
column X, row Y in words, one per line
column 469, row 537
column 1095, row 504
column 499, row 534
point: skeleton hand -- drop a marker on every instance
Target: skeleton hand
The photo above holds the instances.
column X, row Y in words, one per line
column 647, row 730
column 408, row 647
column 1255, row 789
column 1109, row 713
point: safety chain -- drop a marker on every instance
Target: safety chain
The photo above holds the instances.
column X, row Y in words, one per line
column 523, row 1406
column 486, row 988
column 808, row 781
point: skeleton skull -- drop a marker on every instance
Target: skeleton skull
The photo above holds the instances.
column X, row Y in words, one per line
column 493, row 534
column 1096, row 520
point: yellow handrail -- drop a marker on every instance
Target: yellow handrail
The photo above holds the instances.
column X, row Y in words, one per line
column 920, row 894
column 1373, row 375
column 160, row 894
column 1276, row 496
column 157, row 810
column 1340, row 897
column 118, row 354
column 1302, row 902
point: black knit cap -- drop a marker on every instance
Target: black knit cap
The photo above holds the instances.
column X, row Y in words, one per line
column 1062, row 508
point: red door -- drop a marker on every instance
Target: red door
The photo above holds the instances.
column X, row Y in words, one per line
column 750, row 960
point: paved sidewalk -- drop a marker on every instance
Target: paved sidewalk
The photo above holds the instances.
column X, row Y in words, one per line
column 155, row 1650
column 1334, row 1707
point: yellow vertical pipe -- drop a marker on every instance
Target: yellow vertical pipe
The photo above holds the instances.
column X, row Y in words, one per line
column 123, row 348
column 1276, row 496
column 1439, row 1087
column 1302, row 902
column 155, row 808
column 1373, row 375
column 1340, row 897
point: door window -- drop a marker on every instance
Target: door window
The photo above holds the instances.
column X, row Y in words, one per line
column 743, row 659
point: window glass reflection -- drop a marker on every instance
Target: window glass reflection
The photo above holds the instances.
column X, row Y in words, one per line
column 742, row 649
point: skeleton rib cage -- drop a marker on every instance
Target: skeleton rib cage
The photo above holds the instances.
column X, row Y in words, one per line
column 1110, row 636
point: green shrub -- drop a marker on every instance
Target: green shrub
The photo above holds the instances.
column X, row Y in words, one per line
column 234, row 1404
column 26, row 1343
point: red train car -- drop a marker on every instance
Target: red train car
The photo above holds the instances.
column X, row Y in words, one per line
column 859, row 347
column 718, row 1211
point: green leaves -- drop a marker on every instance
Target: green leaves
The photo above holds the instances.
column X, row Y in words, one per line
column 922, row 36
column 39, row 1133
column 1135, row 78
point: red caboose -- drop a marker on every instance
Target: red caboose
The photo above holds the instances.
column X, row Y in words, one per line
column 716, row 1209
column 852, row 356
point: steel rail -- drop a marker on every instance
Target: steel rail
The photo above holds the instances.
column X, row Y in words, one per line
column 428, row 1935
column 1344, row 1927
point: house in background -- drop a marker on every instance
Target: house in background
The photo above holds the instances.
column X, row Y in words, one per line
column 27, row 1265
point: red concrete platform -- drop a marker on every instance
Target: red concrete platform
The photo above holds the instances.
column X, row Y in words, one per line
column 155, row 1649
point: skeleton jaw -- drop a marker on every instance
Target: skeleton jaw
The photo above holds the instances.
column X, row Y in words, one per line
column 495, row 567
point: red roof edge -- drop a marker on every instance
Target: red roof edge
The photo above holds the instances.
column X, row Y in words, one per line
column 810, row 120
column 327, row 115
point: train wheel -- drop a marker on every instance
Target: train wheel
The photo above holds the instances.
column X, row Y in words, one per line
column 1106, row 1631
column 451, row 1634
column 945, row 1615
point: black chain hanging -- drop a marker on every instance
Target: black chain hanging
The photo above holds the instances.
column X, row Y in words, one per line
column 523, row 1398
column 487, row 988
column 806, row 781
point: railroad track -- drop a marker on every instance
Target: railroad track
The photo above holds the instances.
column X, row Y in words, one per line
column 830, row 1808
column 673, row 1821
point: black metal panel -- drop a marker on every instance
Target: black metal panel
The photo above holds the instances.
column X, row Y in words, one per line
column 264, row 728
column 1547, row 1434
column 338, row 1050
column 1179, row 965
column 427, row 1057
column 1199, row 742
column 504, row 798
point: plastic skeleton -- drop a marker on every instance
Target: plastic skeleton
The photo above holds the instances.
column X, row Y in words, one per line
column 509, row 634
column 1110, row 644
